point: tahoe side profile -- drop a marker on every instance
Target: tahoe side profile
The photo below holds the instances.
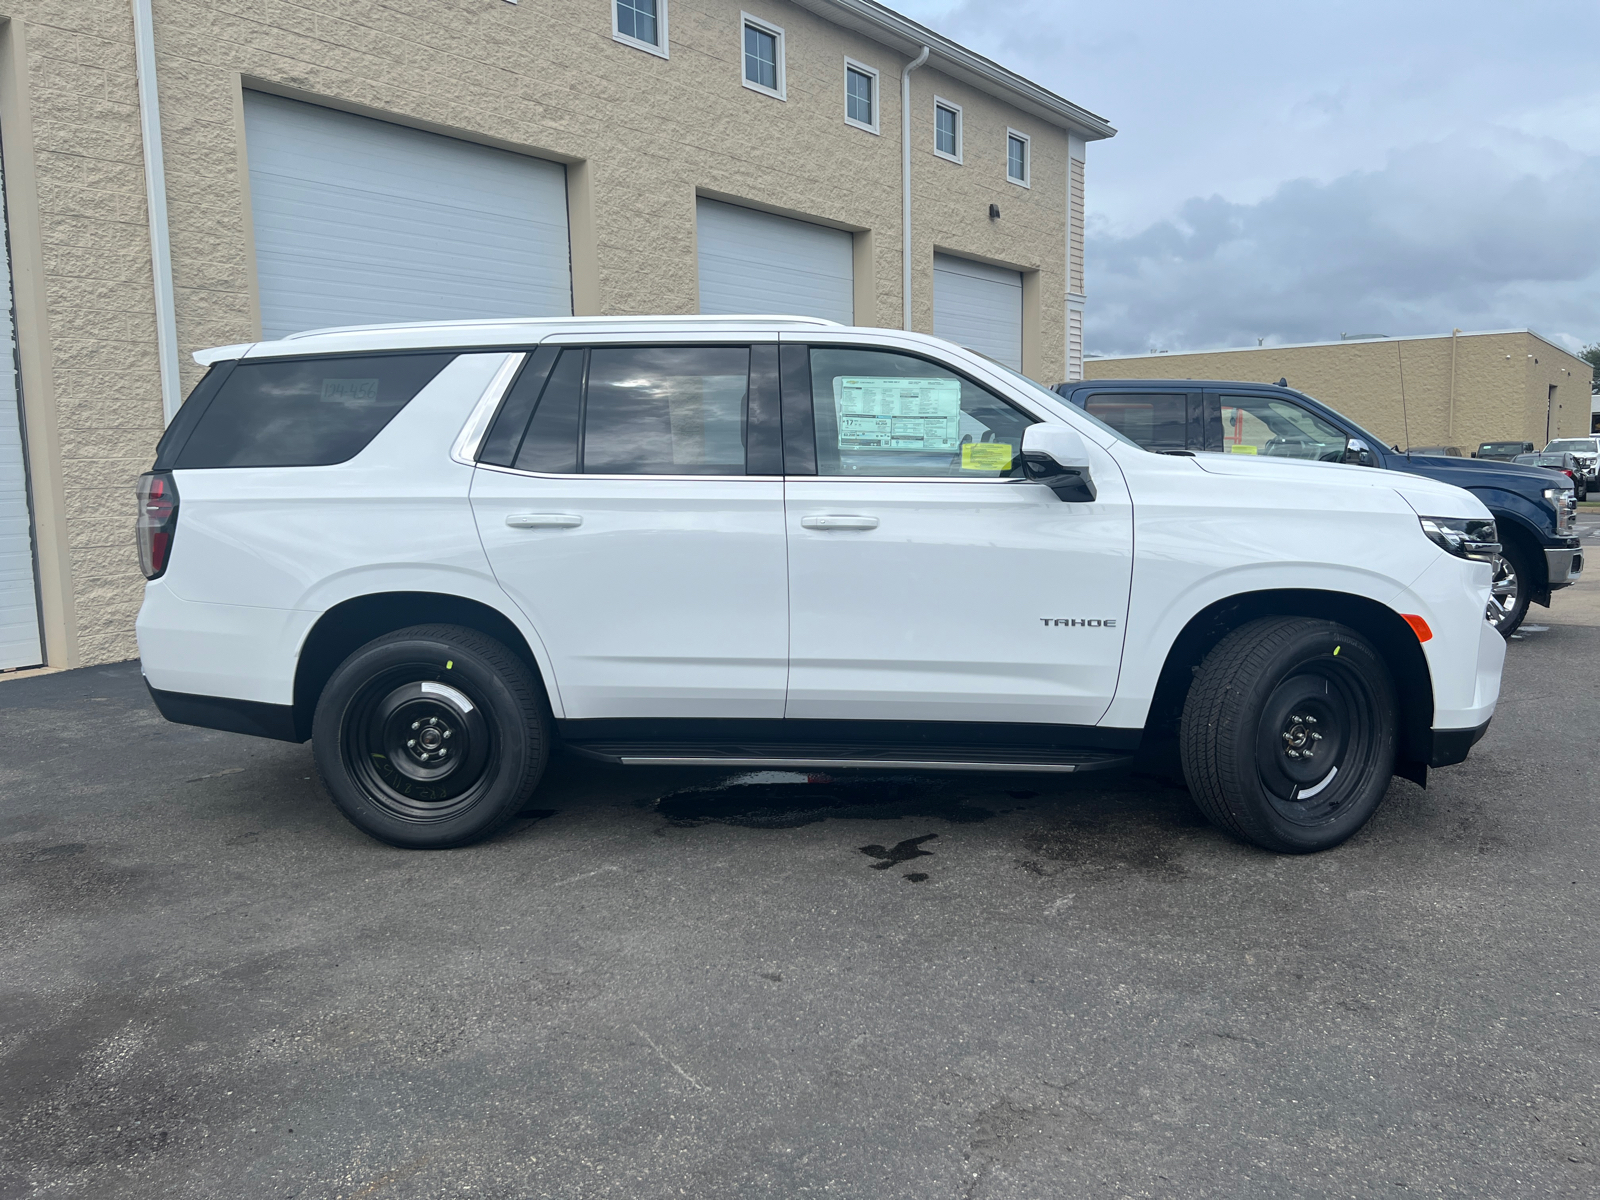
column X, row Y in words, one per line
column 442, row 551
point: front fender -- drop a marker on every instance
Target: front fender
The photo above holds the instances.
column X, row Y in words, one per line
column 1156, row 620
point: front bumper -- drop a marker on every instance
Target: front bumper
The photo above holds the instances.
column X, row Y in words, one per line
column 1450, row 746
column 1565, row 564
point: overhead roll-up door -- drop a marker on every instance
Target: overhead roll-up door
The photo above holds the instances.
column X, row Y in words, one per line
column 361, row 221
column 755, row 262
column 979, row 307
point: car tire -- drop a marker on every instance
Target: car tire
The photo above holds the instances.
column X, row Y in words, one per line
column 1280, row 685
column 431, row 737
column 1511, row 589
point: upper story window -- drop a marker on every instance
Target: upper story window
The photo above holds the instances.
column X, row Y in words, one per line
column 860, row 96
column 763, row 56
column 947, row 129
column 1018, row 156
column 641, row 23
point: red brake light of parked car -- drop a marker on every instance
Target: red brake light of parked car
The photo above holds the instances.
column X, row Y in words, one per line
column 158, row 521
column 1418, row 626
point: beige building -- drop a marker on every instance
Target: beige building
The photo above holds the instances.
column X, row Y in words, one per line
column 1457, row 390
column 188, row 173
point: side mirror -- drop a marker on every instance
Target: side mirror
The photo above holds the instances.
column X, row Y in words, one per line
column 1358, row 452
column 1055, row 456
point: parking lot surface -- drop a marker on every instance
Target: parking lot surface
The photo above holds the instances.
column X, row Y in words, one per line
column 661, row 984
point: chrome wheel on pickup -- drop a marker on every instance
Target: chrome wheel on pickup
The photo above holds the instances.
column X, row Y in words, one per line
column 1508, row 594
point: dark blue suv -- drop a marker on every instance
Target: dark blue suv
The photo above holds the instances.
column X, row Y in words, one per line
column 1534, row 509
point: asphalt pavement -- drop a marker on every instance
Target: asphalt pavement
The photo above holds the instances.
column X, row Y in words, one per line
column 663, row 984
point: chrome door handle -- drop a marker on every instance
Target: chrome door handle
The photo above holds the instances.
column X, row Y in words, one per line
column 831, row 522
column 544, row 520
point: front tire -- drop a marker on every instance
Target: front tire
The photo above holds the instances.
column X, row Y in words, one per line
column 1511, row 590
column 431, row 737
column 1288, row 734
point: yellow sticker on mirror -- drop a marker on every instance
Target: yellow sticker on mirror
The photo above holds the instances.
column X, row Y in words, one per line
column 1241, row 449
column 986, row 456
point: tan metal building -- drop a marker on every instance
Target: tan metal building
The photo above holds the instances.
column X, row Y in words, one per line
column 189, row 173
column 1457, row 390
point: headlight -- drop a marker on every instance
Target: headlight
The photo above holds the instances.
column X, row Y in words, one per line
column 1465, row 537
column 1564, row 501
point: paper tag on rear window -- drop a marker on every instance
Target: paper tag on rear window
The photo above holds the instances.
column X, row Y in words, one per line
column 355, row 393
column 1241, row 450
column 986, row 456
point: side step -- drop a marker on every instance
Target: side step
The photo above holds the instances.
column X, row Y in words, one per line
column 918, row 758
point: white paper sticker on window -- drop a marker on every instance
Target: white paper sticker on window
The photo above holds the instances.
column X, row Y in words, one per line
column 354, row 393
column 898, row 414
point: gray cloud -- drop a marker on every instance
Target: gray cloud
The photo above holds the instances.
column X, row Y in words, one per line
column 1447, row 234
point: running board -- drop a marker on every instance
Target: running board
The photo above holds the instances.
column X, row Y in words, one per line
column 920, row 758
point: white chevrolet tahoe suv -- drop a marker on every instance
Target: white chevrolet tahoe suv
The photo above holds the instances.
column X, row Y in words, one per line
column 442, row 551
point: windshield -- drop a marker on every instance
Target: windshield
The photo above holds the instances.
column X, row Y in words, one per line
column 1029, row 385
column 1571, row 445
column 1502, row 447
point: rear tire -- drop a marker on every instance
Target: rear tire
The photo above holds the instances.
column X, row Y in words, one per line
column 1288, row 734
column 431, row 737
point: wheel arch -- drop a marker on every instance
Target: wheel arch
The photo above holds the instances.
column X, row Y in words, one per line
column 354, row 622
column 1517, row 530
column 1380, row 624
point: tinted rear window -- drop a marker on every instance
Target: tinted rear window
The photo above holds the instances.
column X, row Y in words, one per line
column 308, row 412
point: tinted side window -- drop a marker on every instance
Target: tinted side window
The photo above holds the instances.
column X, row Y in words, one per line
column 665, row 410
column 883, row 414
column 551, row 443
column 308, row 412
column 1156, row 420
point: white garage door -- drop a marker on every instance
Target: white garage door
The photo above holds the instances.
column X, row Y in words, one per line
column 19, row 604
column 360, row 221
column 754, row 262
column 979, row 307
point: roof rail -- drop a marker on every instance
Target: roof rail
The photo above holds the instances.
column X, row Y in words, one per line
column 730, row 318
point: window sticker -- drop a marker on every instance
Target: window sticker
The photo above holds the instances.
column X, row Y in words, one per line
column 1242, row 448
column 898, row 414
column 353, row 393
column 986, row 456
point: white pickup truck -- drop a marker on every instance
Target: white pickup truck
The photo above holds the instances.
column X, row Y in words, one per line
column 441, row 551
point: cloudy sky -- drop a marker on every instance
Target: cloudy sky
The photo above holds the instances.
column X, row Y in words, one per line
column 1294, row 171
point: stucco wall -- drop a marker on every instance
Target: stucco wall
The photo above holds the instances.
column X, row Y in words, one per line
column 642, row 134
column 1501, row 383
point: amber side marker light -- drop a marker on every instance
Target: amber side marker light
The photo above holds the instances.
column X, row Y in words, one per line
column 1418, row 626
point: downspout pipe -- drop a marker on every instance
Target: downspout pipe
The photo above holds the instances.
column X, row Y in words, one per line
column 155, row 188
column 905, row 187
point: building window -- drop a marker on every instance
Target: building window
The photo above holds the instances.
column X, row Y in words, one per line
column 860, row 96
column 947, row 129
column 640, row 23
column 763, row 57
column 1017, row 155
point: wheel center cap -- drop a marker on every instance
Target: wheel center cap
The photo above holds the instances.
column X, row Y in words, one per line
column 430, row 738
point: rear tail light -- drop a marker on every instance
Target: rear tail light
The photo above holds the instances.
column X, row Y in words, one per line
column 158, row 521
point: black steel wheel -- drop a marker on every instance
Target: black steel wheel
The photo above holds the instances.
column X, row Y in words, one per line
column 431, row 737
column 1288, row 734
